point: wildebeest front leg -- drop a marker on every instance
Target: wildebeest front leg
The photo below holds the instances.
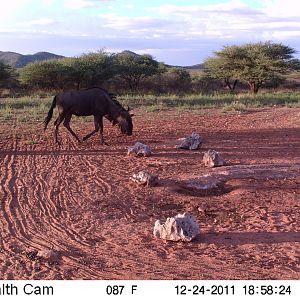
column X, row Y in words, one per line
column 96, row 121
column 67, row 125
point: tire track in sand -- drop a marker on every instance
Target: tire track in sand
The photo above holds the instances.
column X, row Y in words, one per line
column 14, row 226
column 7, row 225
column 36, row 195
column 17, row 216
column 78, row 175
column 50, row 193
column 48, row 204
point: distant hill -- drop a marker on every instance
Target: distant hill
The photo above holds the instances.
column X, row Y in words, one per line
column 18, row 60
column 129, row 53
column 196, row 67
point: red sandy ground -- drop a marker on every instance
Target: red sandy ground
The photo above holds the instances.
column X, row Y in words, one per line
column 78, row 200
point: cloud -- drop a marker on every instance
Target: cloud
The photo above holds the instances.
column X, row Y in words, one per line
column 9, row 12
column 233, row 7
column 37, row 22
column 281, row 9
column 80, row 4
column 172, row 33
column 234, row 19
column 205, row 29
column 134, row 24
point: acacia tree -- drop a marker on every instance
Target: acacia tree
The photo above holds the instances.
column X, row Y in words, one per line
column 134, row 68
column 50, row 74
column 90, row 69
column 254, row 63
column 262, row 62
column 87, row 70
column 222, row 67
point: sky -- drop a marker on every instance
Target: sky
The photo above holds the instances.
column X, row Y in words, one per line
column 174, row 32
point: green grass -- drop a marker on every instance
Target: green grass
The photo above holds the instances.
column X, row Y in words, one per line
column 28, row 109
column 234, row 107
column 24, row 109
column 197, row 101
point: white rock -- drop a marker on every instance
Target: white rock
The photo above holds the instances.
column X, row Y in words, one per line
column 182, row 227
column 192, row 142
column 145, row 178
column 139, row 149
column 212, row 159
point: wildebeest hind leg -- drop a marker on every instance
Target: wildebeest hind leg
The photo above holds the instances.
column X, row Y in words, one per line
column 101, row 132
column 57, row 123
column 67, row 125
column 96, row 121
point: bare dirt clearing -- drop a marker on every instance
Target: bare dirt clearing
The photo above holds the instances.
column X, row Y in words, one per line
column 78, row 200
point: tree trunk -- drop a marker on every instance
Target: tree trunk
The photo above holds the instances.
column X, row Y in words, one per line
column 228, row 84
column 234, row 84
column 254, row 86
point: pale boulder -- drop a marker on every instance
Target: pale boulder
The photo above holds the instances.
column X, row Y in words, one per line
column 182, row 227
column 212, row 159
column 139, row 149
column 145, row 178
column 192, row 142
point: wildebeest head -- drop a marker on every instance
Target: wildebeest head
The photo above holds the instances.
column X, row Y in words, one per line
column 124, row 121
column 122, row 118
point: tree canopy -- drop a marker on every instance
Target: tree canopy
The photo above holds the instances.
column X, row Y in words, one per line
column 133, row 68
column 254, row 63
column 89, row 70
column 85, row 71
column 50, row 74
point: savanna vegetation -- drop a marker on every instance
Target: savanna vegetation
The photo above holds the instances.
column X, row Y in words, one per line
column 235, row 78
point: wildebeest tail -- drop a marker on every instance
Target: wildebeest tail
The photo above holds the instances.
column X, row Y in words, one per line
column 50, row 113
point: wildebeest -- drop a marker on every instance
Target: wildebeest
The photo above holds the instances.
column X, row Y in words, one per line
column 90, row 102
